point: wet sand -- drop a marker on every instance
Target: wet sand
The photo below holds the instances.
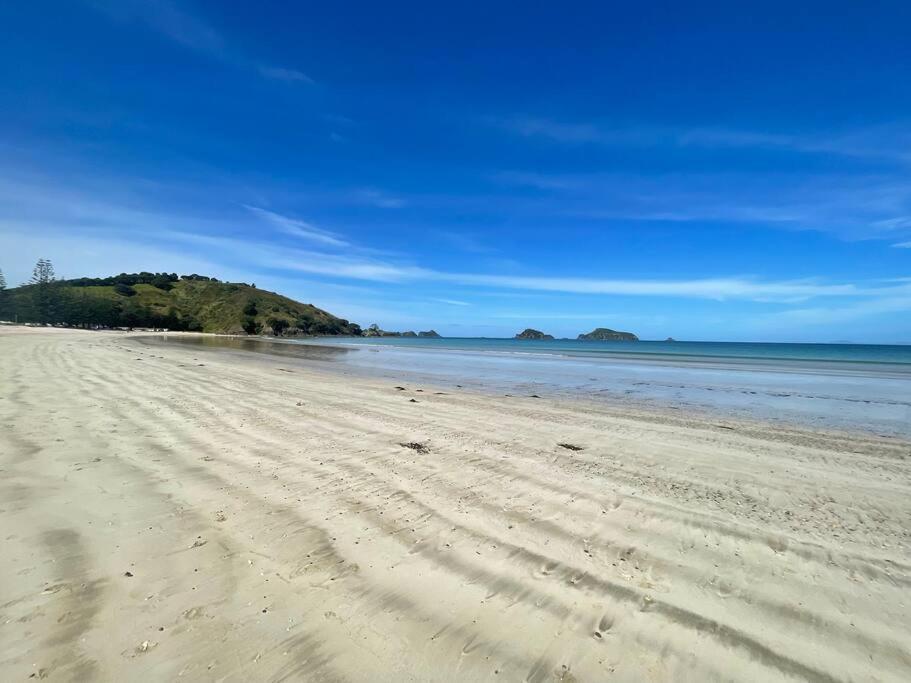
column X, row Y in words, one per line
column 172, row 511
column 847, row 396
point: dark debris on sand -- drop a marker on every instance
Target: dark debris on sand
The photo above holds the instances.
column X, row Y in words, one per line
column 570, row 447
column 416, row 446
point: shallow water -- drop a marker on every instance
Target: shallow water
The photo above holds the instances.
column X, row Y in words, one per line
column 809, row 388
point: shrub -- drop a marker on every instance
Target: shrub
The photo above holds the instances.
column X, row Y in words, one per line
column 250, row 326
column 278, row 326
column 162, row 282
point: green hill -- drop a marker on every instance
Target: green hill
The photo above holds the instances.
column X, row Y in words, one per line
column 162, row 300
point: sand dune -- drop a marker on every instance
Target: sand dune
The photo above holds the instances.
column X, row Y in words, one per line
column 175, row 512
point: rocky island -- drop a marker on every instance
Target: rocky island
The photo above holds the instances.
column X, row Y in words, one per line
column 529, row 333
column 606, row 334
column 375, row 331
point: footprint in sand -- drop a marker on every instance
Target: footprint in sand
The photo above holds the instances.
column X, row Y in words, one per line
column 546, row 569
column 778, row 543
column 605, row 624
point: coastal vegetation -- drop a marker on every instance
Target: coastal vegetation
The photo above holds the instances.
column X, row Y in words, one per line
column 163, row 301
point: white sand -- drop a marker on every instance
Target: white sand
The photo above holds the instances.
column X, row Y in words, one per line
column 276, row 529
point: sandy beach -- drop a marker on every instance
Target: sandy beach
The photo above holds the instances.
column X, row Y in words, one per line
column 173, row 512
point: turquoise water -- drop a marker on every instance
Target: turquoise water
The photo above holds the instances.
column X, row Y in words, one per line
column 674, row 351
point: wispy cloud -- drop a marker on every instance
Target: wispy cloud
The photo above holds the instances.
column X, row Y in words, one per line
column 849, row 205
column 719, row 289
column 378, row 198
column 298, row 228
column 903, row 245
column 169, row 20
column 282, row 74
column 556, row 131
column 540, row 181
column 827, row 315
column 452, row 302
column 894, row 223
column 887, row 142
column 862, row 192
column 464, row 241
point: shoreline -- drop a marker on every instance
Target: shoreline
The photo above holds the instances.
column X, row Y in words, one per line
column 798, row 396
column 295, row 520
column 614, row 404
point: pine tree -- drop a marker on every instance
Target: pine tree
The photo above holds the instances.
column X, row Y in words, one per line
column 43, row 273
column 4, row 299
column 44, row 291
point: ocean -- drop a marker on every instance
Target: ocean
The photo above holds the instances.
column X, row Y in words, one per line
column 675, row 351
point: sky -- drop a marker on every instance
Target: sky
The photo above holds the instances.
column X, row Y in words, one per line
column 701, row 170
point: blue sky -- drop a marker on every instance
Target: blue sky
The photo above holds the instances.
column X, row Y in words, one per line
column 700, row 170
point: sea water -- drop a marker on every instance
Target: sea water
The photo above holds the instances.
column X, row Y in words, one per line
column 847, row 386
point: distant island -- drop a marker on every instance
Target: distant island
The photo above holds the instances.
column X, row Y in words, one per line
column 529, row 333
column 375, row 331
column 606, row 334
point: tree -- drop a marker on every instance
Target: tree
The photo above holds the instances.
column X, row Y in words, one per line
column 124, row 289
column 5, row 299
column 43, row 273
column 250, row 326
column 163, row 282
column 43, row 291
column 250, row 308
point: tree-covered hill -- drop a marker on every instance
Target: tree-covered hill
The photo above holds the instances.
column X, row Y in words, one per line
column 164, row 300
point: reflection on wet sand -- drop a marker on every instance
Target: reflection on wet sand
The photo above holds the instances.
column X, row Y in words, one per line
column 273, row 347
